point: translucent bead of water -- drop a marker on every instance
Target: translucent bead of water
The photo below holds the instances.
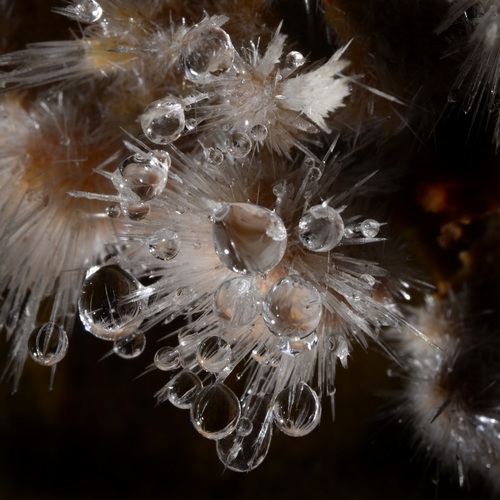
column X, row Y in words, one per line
column 292, row 308
column 130, row 348
column 145, row 177
column 259, row 132
column 321, row 228
column 237, row 302
column 108, row 303
column 214, row 156
column 85, row 11
column 48, row 344
column 163, row 121
column 369, row 228
column 183, row 388
column 136, row 211
column 294, row 60
column 213, row 354
column 239, row 145
column 113, row 211
column 167, row 358
column 206, row 52
column 215, row 411
column 164, row 244
column 248, row 239
column 297, row 410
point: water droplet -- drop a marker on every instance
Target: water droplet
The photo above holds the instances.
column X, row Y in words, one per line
column 113, row 211
column 309, row 162
column 131, row 347
column 213, row 354
column 239, row 145
column 248, row 239
column 206, row 52
column 191, row 123
column 369, row 228
column 294, row 60
column 136, row 211
column 349, row 232
column 87, row 11
column 48, row 344
column 314, row 174
column 321, row 228
column 245, row 449
column 145, row 177
column 164, row 244
column 297, row 410
column 183, row 388
column 292, row 308
column 167, row 358
column 107, row 305
column 214, row 156
column 163, row 121
column 259, row 133
column 237, row 301
column 215, row 411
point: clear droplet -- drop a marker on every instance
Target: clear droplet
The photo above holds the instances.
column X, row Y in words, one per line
column 183, row 388
column 314, row 174
column 294, row 60
column 237, row 301
column 248, row 239
column 85, row 11
column 215, row 411
column 213, row 354
column 369, row 228
column 321, row 228
column 206, row 52
column 145, row 177
column 239, row 145
column 191, row 123
column 292, row 308
column 163, row 121
column 108, row 305
column 113, row 211
column 297, row 410
column 48, row 344
column 245, row 449
column 259, row 133
column 130, row 348
column 167, row 358
column 214, row 156
column 136, row 211
column 164, row 244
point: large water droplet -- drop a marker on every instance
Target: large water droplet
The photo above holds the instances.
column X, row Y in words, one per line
column 297, row 410
column 145, row 177
column 239, row 145
column 206, row 51
column 130, row 348
column 167, row 358
column 48, row 344
column 163, row 121
column 292, row 308
column 108, row 305
column 215, row 411
column 183, row 388
column 245, row 449
column 248, row 239
column 321, row 228
column 213, row 354
column 237, row 301
column 164, row 244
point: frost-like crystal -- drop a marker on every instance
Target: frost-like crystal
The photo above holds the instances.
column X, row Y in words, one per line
column 107, row 307
column 164, row 244
column 321, row 228
column 163, row 121
column 292, row 308
column 48, row 344
column 248, row 239
column 213, row 354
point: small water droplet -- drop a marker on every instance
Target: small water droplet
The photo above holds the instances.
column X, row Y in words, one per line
column 113, row 211
column 214, row 156
column 163, row 121
column 183, row 388
column 167, row 358
column 206, row 52
column 239, row 145
column 131, row 347
column 215, row 411
column 237, row 301
column 191, row 123
column 248, row 239
column 244, row 427
column 107, row 305
column 297, row 410
column 321, row 228
column 294, row 60
column 349, row 232
column 314, row 174
column 292, row 308
column 213, row 354
column 309, row 162
column 259, row 133
column 48, row 344
column 86, row 11
column 164, row 244
column 135, row 211
column 369, row 228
